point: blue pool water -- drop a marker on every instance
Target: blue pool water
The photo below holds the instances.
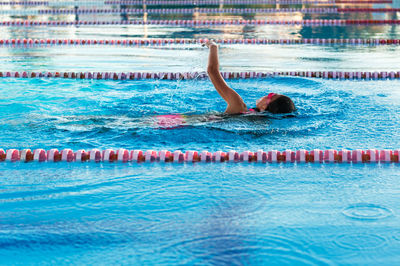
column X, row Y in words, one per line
column 45, row 113
column 199, row 214
column 224, row 214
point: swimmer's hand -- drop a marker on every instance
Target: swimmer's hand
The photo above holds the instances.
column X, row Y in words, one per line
column 209, row 43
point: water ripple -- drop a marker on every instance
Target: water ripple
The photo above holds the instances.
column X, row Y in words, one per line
column 359, row 242
column 239, row 250
column 367, row 211
column 52, row 241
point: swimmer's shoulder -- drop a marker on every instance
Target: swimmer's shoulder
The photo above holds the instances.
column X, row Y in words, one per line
column 236, row 109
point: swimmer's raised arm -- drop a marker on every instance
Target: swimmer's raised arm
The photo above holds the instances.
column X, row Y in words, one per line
column 232, row 98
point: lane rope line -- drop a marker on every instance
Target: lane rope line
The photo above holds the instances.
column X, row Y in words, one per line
column 336, row 75
column 191, row 23
column 260, row 156
column 170, row 11
column 246, row 2
column 187, row 3
column 161, row 42
column 316, row 10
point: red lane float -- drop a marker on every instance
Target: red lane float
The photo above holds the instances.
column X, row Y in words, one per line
column 233, row 156
column 165, row 156
column 108, row 155
column 81, row 156
column 136, row 156
column 206, row 156
column 191, row 156
column 207, row 23
column 170, row 121
column 122, row 155
column 53, row 155
column 246, row 156
column 12, row 155
column 67, row 155
column 260, row 156
column 150, row 156
column 2, row 155
column 302, row 156
column 26, row 155
column 39, row 155
column 220, row 156
column 164, row 42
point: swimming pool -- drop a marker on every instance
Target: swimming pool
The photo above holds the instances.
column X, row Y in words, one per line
column 201, row 213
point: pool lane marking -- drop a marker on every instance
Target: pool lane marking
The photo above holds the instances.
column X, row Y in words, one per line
column 337, row 75
column 260, row 156
column 312, row 10
column 208, row 23
column 162, row 42
column 247, row 2
column 186, row 2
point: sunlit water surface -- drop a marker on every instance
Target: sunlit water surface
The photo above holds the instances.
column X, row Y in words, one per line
column 243, row 213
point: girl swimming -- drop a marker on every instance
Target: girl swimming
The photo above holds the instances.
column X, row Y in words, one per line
column 273, row 102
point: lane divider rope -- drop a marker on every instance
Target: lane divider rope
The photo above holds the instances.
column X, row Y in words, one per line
column 339, row 75
column 317, row 10
column 248, row 2
column 187, row 3
column 160, row 42
column 260, row 156
column 169, row 11
column 306, row 22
